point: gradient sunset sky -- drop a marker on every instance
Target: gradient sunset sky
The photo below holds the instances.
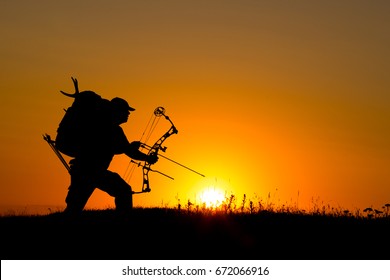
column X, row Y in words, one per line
column 283, row 98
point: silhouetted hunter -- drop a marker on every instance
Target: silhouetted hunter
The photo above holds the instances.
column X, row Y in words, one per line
column 99, row 138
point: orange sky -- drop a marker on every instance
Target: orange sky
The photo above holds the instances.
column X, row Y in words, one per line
column 289, row 98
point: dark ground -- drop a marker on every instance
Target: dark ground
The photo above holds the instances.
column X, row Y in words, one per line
column 167, row 234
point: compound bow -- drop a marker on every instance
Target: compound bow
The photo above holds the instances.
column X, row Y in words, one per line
column 158, row 112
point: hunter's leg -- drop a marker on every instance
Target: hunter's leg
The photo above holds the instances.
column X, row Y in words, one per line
column 115, row 186
column 79, row 192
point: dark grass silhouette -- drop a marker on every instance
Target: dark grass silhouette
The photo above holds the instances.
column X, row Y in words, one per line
column 195, row 233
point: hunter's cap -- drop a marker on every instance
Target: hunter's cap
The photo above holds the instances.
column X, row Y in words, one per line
column 121, row 104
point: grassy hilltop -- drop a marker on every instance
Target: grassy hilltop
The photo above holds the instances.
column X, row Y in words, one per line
column 196, row 233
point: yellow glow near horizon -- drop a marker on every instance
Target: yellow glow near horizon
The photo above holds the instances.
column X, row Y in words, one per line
column 212, row 197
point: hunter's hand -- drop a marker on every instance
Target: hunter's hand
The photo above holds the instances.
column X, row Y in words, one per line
column 152, row 158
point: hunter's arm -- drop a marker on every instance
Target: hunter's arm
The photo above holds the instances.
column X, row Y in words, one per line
column 133, row 151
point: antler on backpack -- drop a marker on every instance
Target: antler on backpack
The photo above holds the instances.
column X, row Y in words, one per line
column 76, row 87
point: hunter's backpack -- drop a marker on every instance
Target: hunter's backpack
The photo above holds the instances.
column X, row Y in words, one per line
column 82, row 119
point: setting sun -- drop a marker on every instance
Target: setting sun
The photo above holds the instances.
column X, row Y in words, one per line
column 212, row 197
